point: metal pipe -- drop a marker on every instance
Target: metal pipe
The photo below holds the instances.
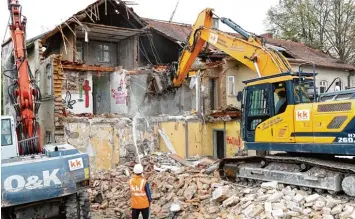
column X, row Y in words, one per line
column 314, row 82
column 257, row 68
column 198, row 77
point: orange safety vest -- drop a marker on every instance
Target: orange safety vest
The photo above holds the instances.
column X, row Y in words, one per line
column 138, row 194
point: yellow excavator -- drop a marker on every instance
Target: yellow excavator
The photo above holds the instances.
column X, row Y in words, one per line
column 281, row 111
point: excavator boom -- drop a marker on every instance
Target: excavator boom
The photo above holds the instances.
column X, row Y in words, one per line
column 24, row 94
column 246, row 48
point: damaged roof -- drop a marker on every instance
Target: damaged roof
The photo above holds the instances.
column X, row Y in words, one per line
column 300, row 52
column 89, row 12
column 174, row 31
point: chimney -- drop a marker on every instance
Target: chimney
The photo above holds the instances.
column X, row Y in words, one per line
column 267, row 35
column 215, row 23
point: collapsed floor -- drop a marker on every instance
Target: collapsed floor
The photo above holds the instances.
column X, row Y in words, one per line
column 182, row 189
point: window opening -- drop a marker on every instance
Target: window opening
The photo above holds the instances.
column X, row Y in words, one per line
column 323, row 85
column 6, row 133
column 231, row 86
column 104, row 53
column 79, row 50
column 49, row 84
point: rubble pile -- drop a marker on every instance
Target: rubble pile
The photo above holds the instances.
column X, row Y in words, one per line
column 187, row 191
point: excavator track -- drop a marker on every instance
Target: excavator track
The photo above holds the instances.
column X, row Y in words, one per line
column 332, row 174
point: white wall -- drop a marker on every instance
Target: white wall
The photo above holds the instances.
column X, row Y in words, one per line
column 240, row 73
column 79, row 105
column 119, row 91
column 328, row 75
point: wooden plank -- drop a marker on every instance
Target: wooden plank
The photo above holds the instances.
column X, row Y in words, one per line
column 180, row 160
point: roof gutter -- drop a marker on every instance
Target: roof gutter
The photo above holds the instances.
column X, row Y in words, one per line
column 299, row 61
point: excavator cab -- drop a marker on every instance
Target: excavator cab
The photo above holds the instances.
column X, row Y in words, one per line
column 9, row 147
column 268, row 106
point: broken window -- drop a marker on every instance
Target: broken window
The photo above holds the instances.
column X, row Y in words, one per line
column 79, row 50
column 323, row 86
column 103, row 53
column 231, row 86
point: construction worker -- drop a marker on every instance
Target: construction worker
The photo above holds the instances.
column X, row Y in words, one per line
column 140, row 193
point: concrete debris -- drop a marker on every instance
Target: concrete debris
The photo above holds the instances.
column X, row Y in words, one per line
column 269, row 185
column 175, row 207
column 191, row 193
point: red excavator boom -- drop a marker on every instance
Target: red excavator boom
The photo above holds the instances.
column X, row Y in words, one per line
column 24, row 93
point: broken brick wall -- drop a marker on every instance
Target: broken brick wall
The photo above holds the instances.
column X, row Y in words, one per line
column 108, row 140
column 211, row 91
column 111, row 140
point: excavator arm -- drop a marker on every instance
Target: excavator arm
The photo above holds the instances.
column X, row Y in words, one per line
column 24, row 93
column 247, row 49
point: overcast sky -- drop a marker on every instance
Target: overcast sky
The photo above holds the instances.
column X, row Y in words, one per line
column 43, row 15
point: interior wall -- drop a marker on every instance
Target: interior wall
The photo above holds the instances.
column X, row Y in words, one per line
column 107, row 141
column 127, row 52
column 90, row 50
column 73, row 92
column 101, row 93
column 198, row 137
column 175, row 131
column 119, row 100
column 67, row 48
column 156, row 49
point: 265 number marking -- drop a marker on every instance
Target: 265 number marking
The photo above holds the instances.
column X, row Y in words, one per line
column 349, row 139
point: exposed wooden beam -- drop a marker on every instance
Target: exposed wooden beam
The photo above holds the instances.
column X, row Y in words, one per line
column 87, row 68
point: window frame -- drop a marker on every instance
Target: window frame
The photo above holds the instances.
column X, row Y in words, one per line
column 233, row 86
column 323, row 84
column 81, row 50
column 12, row 140
column 101, row 52
column 250, row 119
column 49, row 85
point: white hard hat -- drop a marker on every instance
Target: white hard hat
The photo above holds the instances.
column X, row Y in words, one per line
column 138, row 168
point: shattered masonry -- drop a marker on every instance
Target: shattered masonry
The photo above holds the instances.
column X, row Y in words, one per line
column 194, row 190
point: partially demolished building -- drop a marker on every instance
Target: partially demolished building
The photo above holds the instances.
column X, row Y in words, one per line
column 94, row 70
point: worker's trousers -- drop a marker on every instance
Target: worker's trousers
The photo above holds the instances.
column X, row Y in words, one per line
column 136, row 212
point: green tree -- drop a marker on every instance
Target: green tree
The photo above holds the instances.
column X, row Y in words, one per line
column 328, row 25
